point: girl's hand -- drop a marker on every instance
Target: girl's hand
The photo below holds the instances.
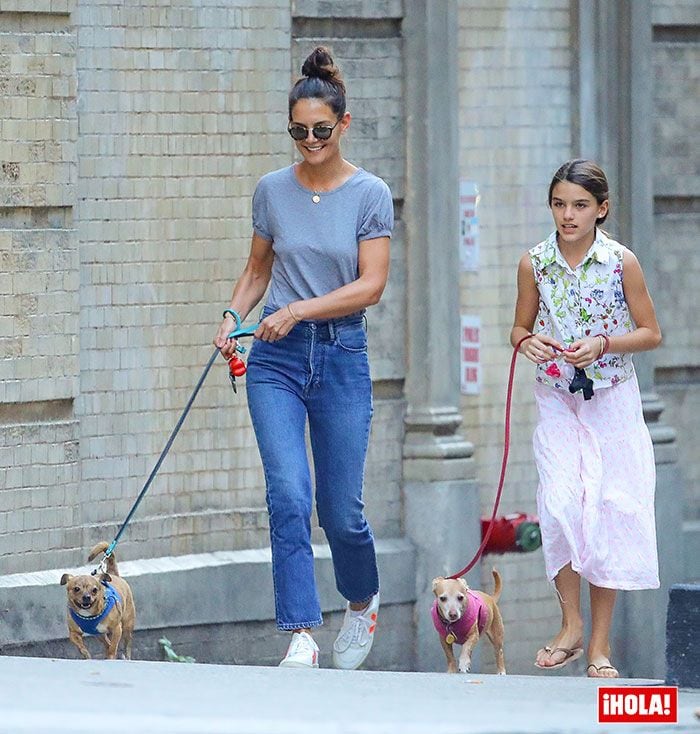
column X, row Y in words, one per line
column 541, row 348
column 277, row 325
column 584, row 352
column 221, row 340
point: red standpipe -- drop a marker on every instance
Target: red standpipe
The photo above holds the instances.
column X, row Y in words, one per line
column 514, row 533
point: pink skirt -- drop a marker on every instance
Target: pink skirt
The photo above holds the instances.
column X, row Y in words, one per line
column 597, row 475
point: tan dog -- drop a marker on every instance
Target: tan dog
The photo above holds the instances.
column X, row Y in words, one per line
column 460, row 615
column 102, row 606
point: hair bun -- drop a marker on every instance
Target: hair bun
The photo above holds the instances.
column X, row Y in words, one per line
column 320, row 79
column 319, row 64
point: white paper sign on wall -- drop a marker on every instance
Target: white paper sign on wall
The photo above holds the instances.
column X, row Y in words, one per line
column 468, row 226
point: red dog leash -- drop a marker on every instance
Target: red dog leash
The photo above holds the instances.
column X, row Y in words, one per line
column 580, row 382
column 504, row 463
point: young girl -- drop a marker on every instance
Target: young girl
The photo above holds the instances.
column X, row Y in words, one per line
column 321, row 232
column 583, row 299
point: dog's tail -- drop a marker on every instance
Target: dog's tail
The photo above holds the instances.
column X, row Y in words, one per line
column 498, row 584
column 101, row 547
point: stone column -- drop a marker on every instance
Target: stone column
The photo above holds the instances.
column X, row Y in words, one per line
column 439, row 473
column 615, row 128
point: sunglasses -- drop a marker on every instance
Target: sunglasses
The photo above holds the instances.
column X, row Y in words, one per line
column 301, row 132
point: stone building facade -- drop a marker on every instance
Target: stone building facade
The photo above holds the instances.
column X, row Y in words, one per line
column 132, row 136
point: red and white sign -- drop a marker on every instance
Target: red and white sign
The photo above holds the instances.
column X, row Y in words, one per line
column 637, row 704
column 470, row 355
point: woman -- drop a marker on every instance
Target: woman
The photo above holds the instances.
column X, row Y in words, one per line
column 321, row 231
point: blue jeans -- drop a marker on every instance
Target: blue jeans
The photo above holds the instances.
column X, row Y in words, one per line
column 319, row 372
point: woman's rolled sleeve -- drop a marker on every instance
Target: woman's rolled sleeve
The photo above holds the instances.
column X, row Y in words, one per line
column 377, row 214
column 261, row 224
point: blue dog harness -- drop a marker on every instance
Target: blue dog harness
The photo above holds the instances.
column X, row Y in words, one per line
column 88, row 625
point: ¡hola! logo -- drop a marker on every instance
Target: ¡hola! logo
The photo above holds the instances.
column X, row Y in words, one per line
column 625, row 704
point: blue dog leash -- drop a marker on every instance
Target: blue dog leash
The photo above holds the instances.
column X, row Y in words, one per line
column 237, row 333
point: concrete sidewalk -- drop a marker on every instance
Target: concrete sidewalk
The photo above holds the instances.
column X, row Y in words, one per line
column 50, row 696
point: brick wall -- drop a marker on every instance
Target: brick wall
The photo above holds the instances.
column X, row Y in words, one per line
column 39, row 283
column 515, row 130
column 674, row 12
column 182, row 109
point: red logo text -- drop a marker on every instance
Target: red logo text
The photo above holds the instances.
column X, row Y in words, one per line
column 625, row 704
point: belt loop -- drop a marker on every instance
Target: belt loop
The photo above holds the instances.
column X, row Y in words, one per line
column 331, row 330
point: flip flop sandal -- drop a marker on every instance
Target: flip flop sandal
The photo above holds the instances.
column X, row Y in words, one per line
column 570, row 654
column 598, row 668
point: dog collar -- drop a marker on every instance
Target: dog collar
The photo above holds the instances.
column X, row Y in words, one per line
column 89, row 625
column 458, row 631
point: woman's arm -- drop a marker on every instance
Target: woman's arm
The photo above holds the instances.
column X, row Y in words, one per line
column 248, row 291
column 539, row 348
column 366, row 290
column 647, row 335
column 373, row 269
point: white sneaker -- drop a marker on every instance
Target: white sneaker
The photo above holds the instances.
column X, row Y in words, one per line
column 301, row 653
column 354, row 641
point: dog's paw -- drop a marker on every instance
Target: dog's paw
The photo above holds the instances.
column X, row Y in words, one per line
column 465, row 668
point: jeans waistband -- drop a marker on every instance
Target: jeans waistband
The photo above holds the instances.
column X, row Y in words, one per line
column 324, row 328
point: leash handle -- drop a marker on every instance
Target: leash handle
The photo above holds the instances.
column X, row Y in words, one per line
column 504, row 462
column 243, row 331
column 240, row 330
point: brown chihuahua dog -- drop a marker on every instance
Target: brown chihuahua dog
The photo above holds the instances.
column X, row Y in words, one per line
column 460, row 615
column 102, row 606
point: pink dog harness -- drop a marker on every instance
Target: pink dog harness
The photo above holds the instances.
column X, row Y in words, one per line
column 458, row 631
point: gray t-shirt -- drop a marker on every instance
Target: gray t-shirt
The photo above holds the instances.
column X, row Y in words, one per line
column 316, row 245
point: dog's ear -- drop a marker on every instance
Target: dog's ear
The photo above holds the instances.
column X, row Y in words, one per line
column 436, row 581
column 105, row 577
column 464, row 584
column 65, row 579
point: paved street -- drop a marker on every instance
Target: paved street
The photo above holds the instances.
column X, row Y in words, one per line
column 49, row 696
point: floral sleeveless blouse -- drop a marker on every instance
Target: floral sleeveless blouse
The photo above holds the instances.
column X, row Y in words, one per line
column 580, row 302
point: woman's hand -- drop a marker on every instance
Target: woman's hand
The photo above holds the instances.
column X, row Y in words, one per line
column 221, row 340
column 541, row 348
column 584, row 352
column 278, row 324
